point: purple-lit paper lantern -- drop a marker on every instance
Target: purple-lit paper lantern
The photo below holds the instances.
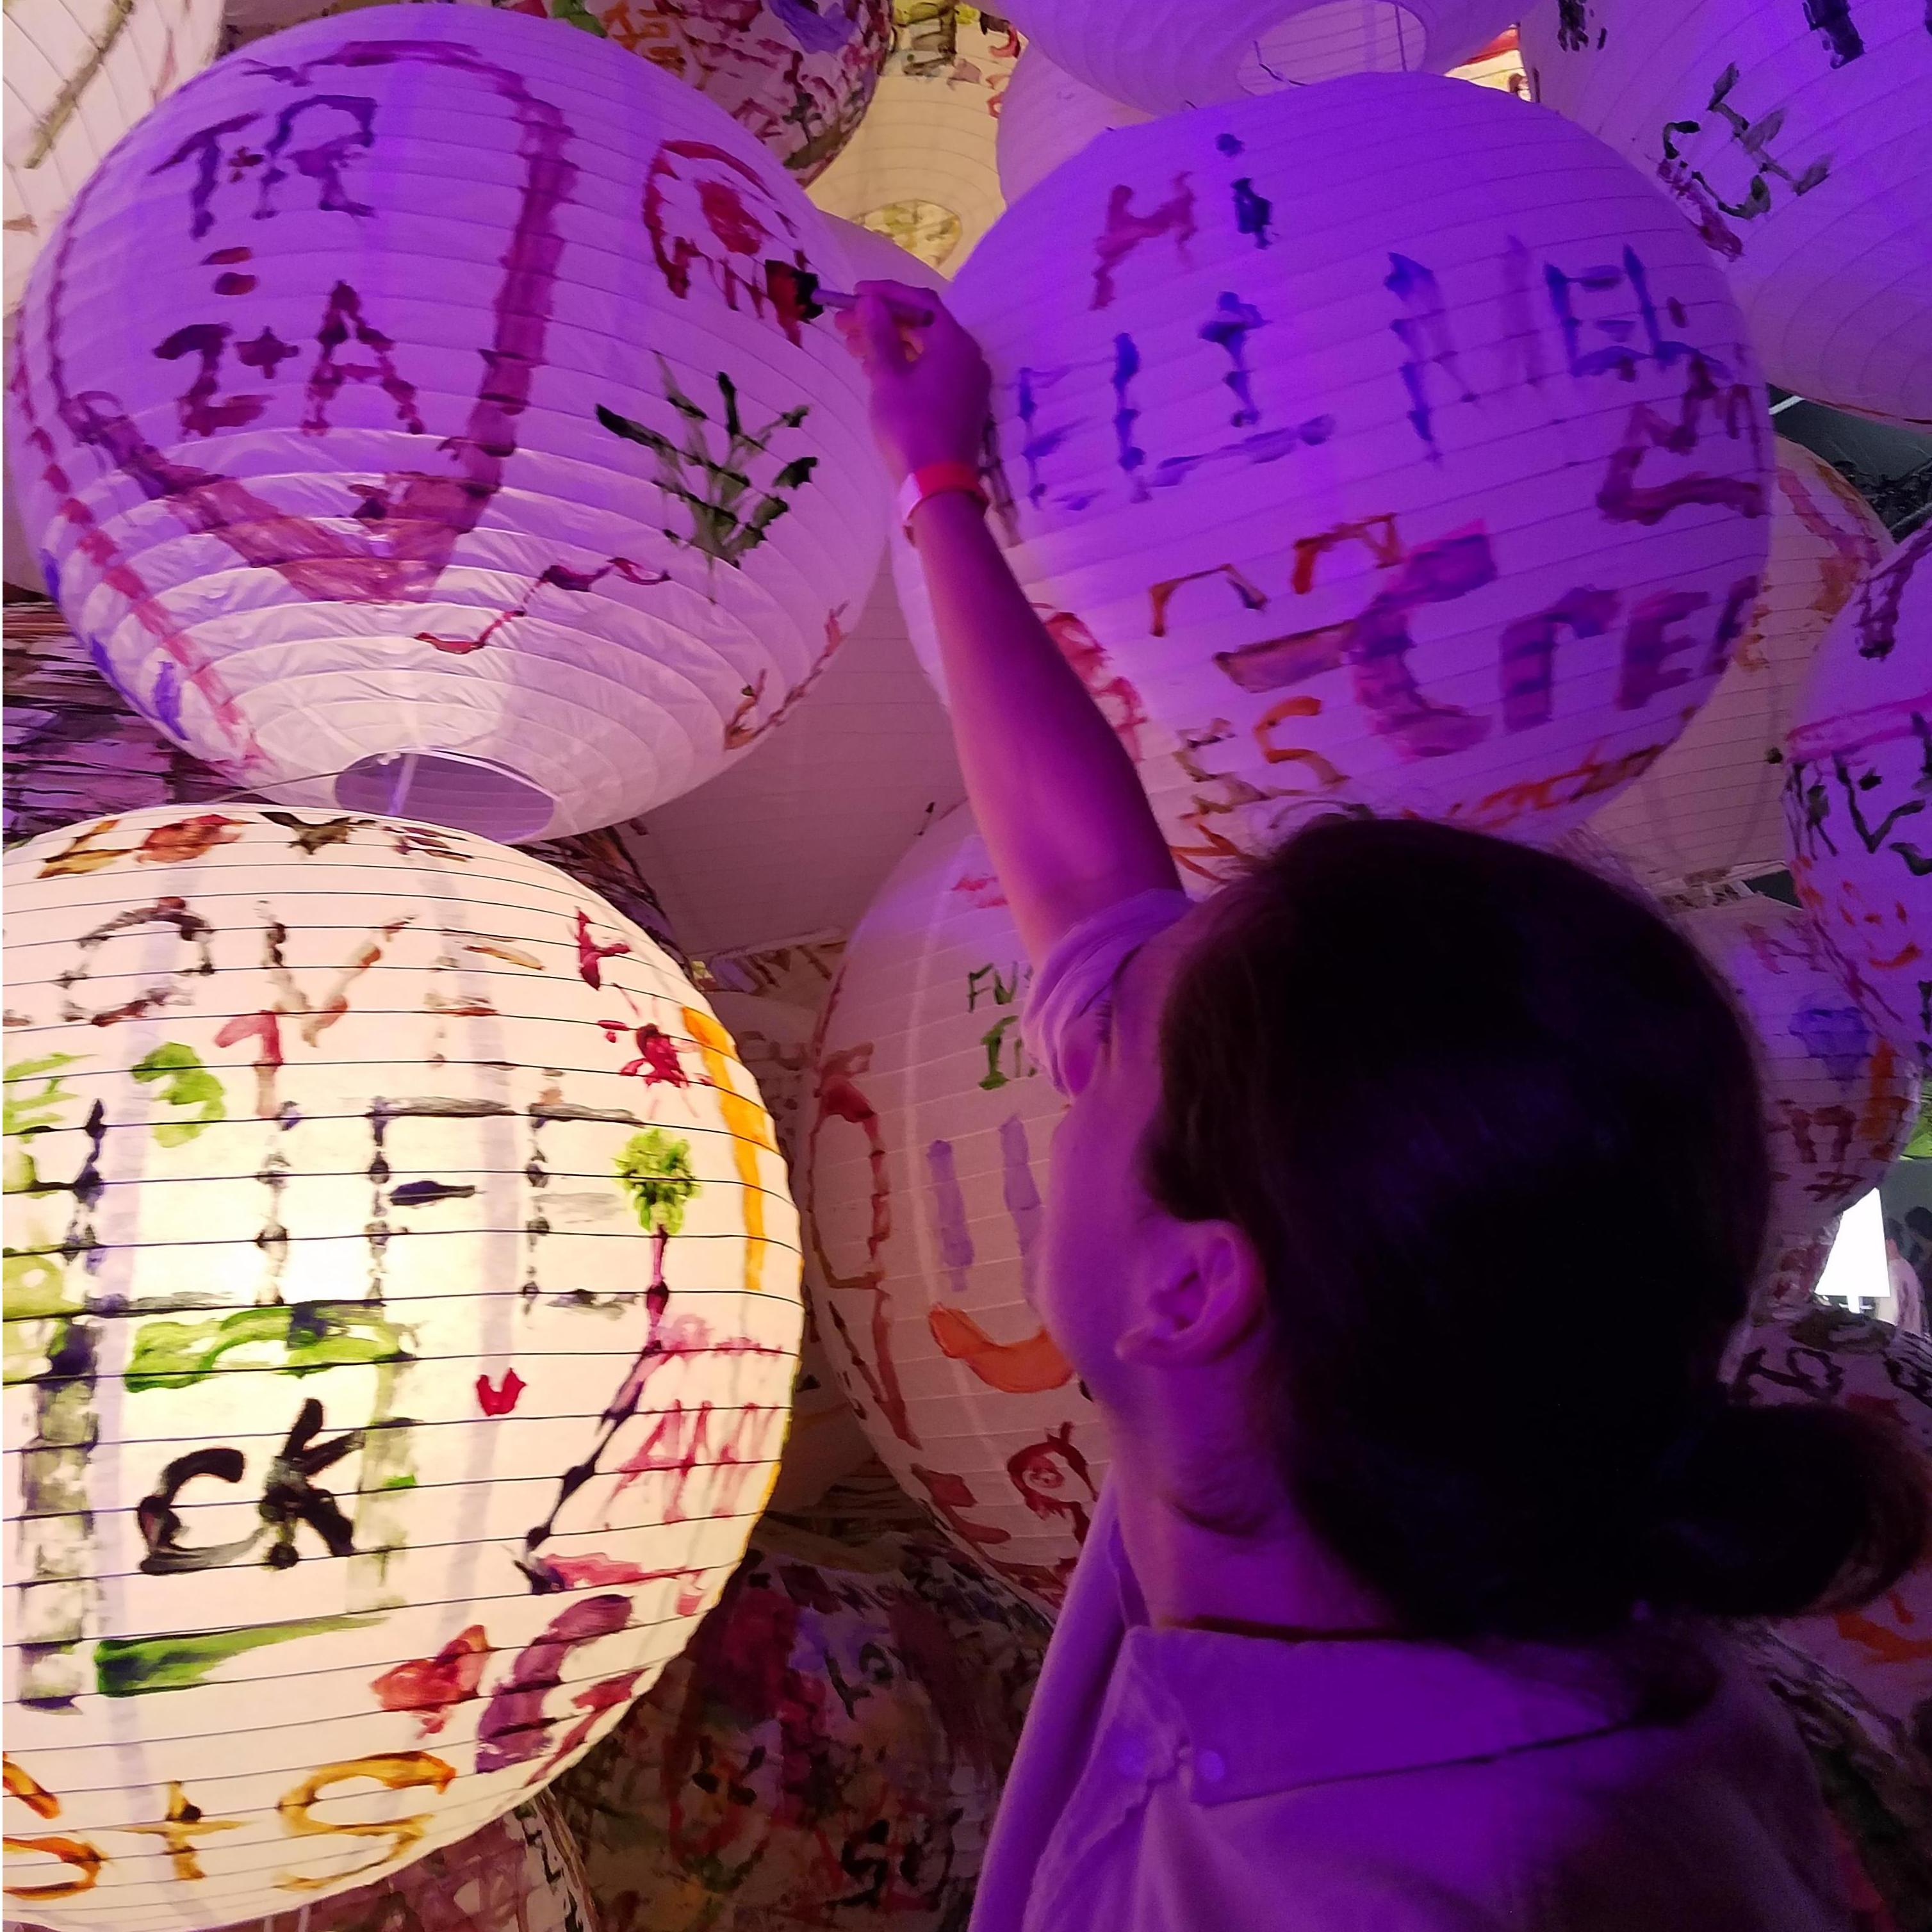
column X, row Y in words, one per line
column 1389, row 442
column 463, row 448
column 1166, row 56
column 1796, row 140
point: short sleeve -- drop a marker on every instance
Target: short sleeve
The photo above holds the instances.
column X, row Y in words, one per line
column 1083, row 967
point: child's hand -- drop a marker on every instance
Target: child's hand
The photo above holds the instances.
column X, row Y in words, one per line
column 930, row 382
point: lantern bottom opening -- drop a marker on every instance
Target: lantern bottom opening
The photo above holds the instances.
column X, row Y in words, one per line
column 448, row 788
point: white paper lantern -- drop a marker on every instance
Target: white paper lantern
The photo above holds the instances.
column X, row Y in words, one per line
column 923, row 168
column 1713, row 803
column 1797, row 142
column 566, row 530
column 921, row 1182
column 402, row 1297
column 1498, row 65
column 1389, row 442
column 1046, row 116
column 797, row 76
column 1858, row 795
column 1839, row 1101
column 79, row 74
column 1164, row 56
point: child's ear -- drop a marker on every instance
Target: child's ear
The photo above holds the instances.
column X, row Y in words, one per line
column 1203, row 1295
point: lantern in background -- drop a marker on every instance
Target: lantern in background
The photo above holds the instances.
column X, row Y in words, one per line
column 401, row 1302
column 79, row 74
column 876, row 257
column 921, row 1181
column 830, row 1753
column 923, row 169
column 1794, row 141
column 1164, row 56
column 1045, row 115
column 1498, row 65
column 1839, row 1100
column 525, row 558
column 521, row 1872
column 1349, row 471
column 1854, row 794
column 797, row 76
column 1713, row 803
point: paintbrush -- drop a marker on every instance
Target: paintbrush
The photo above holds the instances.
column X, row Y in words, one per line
column 814, row 298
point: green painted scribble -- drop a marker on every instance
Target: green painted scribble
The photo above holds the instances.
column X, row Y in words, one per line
column 24, row 1116
column 135, row 1666
column 655, row 1168
column 312, row 1335
column 189, row 1084
column 717, row 527
column 404, row 1481
column 33, row 1273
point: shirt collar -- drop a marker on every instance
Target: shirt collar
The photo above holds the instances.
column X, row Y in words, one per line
column 1254, row 1715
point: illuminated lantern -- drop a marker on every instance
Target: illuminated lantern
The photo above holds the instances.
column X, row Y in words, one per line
column 922, row 1180
column 1713, row 803
column 1164, row 56
column 402, row 1296
column 521, row 1872
column 923, row 169
column 877, row 257
column 1856, row 794
column 1793, row 141
column 796, row 76
column 1498, row 65
column 1389, row 442
column 1839, row 1100
column 525, row 556
column 829, row 1751
column 79, row 74
column 1045, row 115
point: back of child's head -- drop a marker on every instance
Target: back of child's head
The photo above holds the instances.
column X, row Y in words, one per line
column 1495, row 1133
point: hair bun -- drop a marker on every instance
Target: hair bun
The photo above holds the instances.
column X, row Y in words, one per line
column 1771, row 1511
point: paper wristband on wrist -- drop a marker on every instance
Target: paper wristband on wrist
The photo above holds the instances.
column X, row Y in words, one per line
column 937, row 479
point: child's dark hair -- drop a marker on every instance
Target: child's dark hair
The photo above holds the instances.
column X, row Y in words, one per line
column 1495, row 1130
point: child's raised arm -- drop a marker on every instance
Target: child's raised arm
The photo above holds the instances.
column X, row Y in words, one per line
column 1066, row 822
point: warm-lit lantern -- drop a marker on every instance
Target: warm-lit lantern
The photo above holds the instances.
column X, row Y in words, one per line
column 1164, row 56
column 1855, row 796
column 922, row 169
column 921, row 1179
column 874, row 256
column 1794, row 141
column 1498, row 65
column 521, row 1872
column 798, row 76
column 1713, row 803
column 1390, row 441
column 1045, row 115
column 464, row 448
column 79, row 74
column 401, row 1298
column 829, row 1752
column 1839, row 1099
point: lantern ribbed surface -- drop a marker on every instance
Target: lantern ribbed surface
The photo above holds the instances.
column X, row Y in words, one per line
column 1046, row 116
column 1796, row 141
column 79, row 74
column 923, row 1178
column 1713, row 803
column 1857, row 817
column 463, row 449
column 1166, row 56
column 1390, row 442
column 402, row 1305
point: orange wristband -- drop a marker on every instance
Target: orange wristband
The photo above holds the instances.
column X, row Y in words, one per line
column 937, row 479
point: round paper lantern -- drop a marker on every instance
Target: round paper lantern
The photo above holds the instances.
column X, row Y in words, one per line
column 521, row 1872
column 1045, row 115
column 1839, row 1100
column 829, row 1751
column 526, row 557
column 79, row 74
column 876, row 257
column 1856, row 794
column 402, row 1301
column 1389, row 442
column 922, row 170
column 1163, row 55
column 1794, row 143
column 1498, row 65
column 1713, row 803
column 797, row 76
column 921, row 1181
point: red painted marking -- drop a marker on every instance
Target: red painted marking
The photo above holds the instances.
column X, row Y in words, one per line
column 500, row 1400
